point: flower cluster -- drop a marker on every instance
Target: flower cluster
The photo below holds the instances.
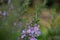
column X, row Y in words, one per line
column 32, row 32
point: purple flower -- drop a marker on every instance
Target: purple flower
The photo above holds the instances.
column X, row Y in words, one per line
column 32, row 32
column 36, row 27
column 24, row 32
column 28, row 30
column 31, row 35
column 37, row 33
column 23, row 36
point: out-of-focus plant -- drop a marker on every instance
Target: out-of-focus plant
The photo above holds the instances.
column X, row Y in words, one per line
column 10, row 21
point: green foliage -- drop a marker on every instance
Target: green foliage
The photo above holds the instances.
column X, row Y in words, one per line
column 18, row 13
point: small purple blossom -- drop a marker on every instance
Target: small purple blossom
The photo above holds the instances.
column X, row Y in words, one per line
column 23, row 36
column 31, row 35
column 28, row 30
column 24, row 32
column 36, row 28
column 37, row 33
column 32, row 32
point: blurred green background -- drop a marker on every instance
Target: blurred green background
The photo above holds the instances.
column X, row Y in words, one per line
column 15, row 15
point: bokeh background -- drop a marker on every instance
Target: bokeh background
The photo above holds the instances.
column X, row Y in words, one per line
column 15, row 15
